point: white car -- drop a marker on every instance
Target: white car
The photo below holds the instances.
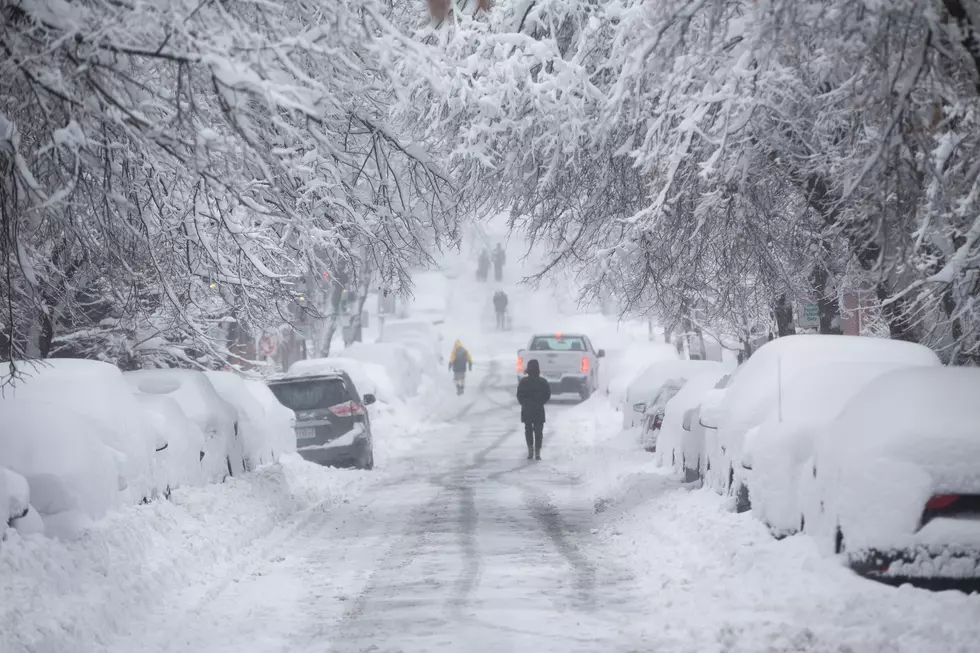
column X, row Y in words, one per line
column 894, row 483
column 754, row 389
column 776, row 450
column 681, row 441
column 647, row 385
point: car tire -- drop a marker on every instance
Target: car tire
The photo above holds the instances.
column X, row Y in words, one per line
column 742, row 502
column 585, row 393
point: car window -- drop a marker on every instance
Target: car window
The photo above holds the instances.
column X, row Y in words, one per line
column 311, row 394
column 557, row 343
column 667, row 393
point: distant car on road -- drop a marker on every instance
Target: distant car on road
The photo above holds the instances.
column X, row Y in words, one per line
column 332, row 424
column 568, row 362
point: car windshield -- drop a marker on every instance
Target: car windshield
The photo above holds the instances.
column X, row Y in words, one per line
column 310, row 394
column 558, row 343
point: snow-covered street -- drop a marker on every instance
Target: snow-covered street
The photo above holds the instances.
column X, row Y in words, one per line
column 456, row 543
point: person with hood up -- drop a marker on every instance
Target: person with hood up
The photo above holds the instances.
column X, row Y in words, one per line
column 483, row 266
column 459, row 361
column 533, row 393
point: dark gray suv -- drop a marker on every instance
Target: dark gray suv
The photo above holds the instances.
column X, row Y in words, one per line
column 332, row 424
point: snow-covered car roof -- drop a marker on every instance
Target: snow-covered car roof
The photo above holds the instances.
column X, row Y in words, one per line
column 916, row 413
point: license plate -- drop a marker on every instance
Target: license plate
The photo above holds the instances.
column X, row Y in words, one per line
column 305, row 433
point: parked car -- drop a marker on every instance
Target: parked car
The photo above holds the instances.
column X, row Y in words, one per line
column 894, row 483
column 755, row 386
column 568, row 362
column 646, row 386
column 223, row 454
column 776, row 450
column 332, row 423
column 681, row 440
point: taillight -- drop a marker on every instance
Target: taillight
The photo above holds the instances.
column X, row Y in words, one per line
column 941, row 501
column 585, row 364
column 347, row 409
column 520, row 365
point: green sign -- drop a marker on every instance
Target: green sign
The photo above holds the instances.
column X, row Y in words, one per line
column 808, row 315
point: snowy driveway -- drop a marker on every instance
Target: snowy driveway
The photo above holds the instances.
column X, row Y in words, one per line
column 461, row 546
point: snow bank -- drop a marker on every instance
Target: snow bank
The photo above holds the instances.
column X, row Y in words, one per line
column 14, row 496
column 78, row 596
column 418, row 336
column 96, row 393
column 717, row 581
column 398, row 361
column 217, row 419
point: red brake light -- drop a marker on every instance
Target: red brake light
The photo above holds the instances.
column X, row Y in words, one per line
column 347, row 409
column 585, row 364
column 520, row 365
column 942, row 501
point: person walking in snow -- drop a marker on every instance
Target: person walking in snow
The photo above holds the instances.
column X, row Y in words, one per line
column 459, row 361
column 500, row 307
column 533, row 393
column 483, row 265
column 498, row 262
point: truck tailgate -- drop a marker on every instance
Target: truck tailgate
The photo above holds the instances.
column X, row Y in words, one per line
column 556, row 363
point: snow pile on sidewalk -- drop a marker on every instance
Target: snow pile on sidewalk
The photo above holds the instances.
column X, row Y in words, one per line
column 77, row 596
column 767, row 595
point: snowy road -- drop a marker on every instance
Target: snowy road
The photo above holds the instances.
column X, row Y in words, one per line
column 462, row 545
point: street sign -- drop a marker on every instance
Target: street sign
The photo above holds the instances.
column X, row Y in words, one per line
column 808, row 315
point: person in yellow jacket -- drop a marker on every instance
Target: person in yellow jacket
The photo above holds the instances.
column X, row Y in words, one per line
column 459, row 362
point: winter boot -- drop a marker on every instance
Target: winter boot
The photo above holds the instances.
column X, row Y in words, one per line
column 530, row 453
column 537, row 454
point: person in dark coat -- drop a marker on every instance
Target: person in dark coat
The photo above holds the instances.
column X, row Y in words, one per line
column 498, row 262
column 500, row 308
column 533, row 393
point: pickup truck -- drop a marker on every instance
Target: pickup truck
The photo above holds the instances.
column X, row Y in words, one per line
column 568, row 362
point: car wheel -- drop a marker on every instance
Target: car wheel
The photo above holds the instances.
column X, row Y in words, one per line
column 585, row 393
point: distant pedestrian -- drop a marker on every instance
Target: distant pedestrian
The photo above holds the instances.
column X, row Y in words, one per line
column 483, row 265
column 500, row 308
column 498, row 262
column 459, row 362
column 533, row 393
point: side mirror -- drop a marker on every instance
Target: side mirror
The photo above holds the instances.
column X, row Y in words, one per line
column 711, row 412
column 601, row 353
column 369, row 399
column 640, row 407
column 689, row 418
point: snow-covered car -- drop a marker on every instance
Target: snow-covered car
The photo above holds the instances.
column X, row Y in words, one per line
column 776, row 450
column 647, row 385
column 279, row 421
column 753, row 392
column 681, row 441
column 332, row 423
column 223, row 454
column 369, row 378
column 568, row 362
column 257, row 434
column 97, row 393
column 417, row 335
column 178, row 443
column 894, row 483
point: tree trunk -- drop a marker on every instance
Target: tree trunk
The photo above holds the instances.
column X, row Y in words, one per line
column 827, row 303
column 783, row 312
